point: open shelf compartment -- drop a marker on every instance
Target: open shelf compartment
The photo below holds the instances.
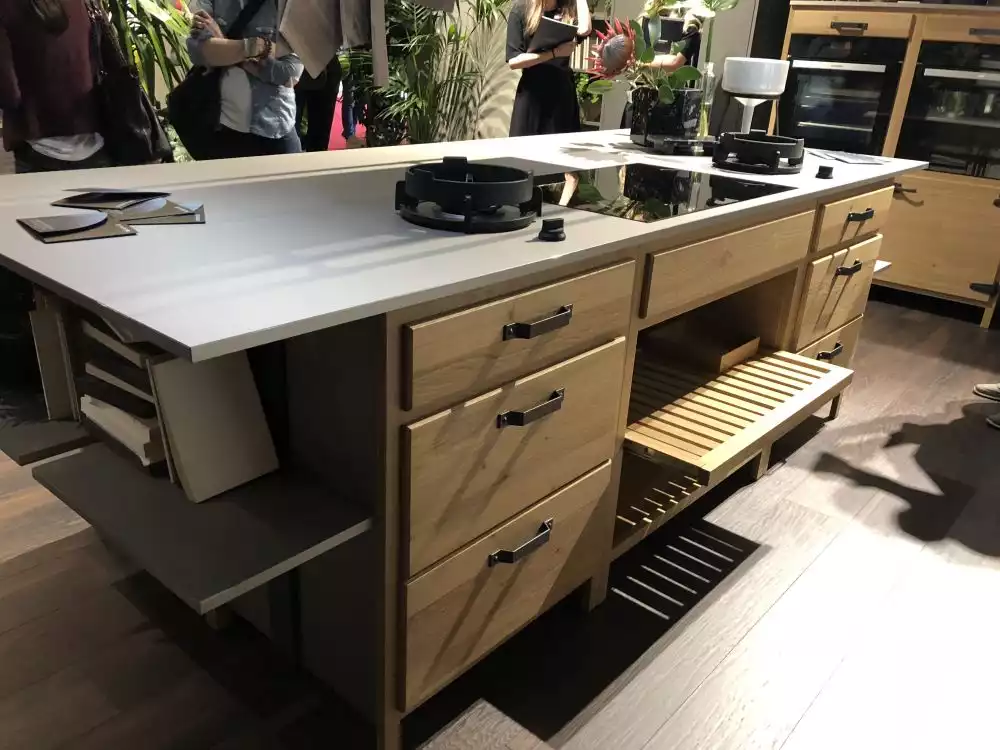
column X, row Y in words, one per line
column 708, row 425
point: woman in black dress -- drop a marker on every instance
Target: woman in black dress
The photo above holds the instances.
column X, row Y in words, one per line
column 546, row 96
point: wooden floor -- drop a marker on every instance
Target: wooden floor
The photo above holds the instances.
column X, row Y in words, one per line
column 870, row 617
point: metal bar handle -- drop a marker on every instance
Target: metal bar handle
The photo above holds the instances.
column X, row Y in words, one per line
column 866, row 215
column 849, row 270
column 857, row 26
column 983, row 32
column 898, row 189
column 837, row 350
column 511, row 556
column 523, row 418
column 538, row 327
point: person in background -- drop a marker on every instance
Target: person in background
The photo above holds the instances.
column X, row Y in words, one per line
column 351, row 110
column 258, row 84
column 315, row 102
column 546, row 100
column 50, row 113
column 991, row 392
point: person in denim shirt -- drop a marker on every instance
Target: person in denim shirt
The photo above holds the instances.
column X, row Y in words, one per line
column 258, row 84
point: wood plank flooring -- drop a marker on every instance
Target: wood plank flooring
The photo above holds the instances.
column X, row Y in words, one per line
column 867, row 620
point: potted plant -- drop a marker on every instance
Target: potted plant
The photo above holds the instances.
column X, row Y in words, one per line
column 664, row 105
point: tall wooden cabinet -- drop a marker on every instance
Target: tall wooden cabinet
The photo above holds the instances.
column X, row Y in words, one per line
column 943, row 237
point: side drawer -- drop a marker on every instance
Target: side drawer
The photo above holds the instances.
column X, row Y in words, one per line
column 852, row 23
column 836, row 289
column 837, row 347
column 688, row 276
column 970, row 29
column 479, row 348
column 461, row 609
column 848, row 219
column 471, row 467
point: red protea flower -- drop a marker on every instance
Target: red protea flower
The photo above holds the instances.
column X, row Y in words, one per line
column 614, row 51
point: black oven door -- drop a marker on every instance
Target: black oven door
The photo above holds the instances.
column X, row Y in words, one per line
column 839, row 106
column 840, row 91
column 953, row 114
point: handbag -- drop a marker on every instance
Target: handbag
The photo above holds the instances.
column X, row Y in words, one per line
column 195, row 104
column 131, row 130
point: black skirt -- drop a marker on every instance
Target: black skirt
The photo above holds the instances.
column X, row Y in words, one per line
column 546, row 102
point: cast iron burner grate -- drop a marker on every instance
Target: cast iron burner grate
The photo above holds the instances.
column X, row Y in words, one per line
column 473, row 198
column 759, row 153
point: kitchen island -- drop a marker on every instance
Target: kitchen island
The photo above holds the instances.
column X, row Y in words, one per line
column 468, row 427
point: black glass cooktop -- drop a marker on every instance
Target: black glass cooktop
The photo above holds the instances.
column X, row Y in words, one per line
column 647, row 193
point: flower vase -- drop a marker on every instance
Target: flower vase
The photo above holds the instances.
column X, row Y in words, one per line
column 656, row 125
column 707, row 96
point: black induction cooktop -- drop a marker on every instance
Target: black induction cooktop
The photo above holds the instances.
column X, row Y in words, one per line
column 648, row 193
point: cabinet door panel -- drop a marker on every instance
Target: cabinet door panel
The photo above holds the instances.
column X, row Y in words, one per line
column 944, row 236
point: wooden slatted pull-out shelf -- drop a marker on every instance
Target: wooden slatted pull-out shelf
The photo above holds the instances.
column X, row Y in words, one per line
column 649, row 496
column 710, row 425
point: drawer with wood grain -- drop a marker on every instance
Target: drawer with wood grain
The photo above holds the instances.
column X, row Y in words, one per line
column 970, row 29
column 475, row 349
column 837, row 347
column 681, row 279
column 852, row 218
column 462, row 608
column 836, row 290
column 851, row 23
column 471, row 467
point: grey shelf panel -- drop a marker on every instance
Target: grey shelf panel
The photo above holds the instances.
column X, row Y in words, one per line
column 207, row 553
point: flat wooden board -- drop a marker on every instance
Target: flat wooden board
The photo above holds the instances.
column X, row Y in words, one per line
column 26, row 433
column 207, row 554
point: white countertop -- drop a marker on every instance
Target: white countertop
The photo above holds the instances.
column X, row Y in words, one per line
column 294, row 244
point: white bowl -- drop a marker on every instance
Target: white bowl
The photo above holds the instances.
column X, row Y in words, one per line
column 754, row 76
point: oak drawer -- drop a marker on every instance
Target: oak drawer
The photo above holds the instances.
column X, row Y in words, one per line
column 852, row 23
column 851, row 218
column 838, row 346
column 466, row 473
column 971, row 29
column 688, row 276
column 481, row 347
column 836, row 289
column 461, row 609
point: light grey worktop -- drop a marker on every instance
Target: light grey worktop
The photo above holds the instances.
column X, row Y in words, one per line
column 298, row 243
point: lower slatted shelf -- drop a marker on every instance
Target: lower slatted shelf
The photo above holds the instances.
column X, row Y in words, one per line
column 708, row 425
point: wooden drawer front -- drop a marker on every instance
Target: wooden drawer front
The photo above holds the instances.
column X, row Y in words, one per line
column 688, row 276
column 466, row 352
column 837, row 347
column 467, row 474
column 835, row 292
column 461, row 609
column 973, row 29
column 942, row 235
column 844, row 221
column 852, row 23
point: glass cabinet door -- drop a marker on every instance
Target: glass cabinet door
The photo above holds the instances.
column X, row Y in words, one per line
column 953, row 114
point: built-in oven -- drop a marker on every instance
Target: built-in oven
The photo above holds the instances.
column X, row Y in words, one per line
column 953, row 115
column 840, row 90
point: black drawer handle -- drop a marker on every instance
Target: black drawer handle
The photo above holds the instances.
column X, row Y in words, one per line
column 996, row 202
column 898, row 189
column 511, row 556
column 868, row 213
column 537, row 328
column 856, row 26
column 979, row 287
column 849, row 270
column 837, row 350
column 984, row 32
column 521, row 418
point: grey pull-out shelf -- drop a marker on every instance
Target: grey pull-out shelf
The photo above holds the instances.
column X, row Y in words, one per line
column 208, row 553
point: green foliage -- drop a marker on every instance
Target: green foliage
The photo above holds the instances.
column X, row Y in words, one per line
column 666, row 84
column 583, row 84
column 599, row 87
column 436, row 81
column 153, row 33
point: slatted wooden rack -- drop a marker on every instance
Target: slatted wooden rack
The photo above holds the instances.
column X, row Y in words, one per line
column 709, row 425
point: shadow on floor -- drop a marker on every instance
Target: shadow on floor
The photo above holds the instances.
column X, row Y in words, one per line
column 942, row 452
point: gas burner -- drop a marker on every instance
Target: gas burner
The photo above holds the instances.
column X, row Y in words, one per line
column 759, row 153
column 473, row 198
